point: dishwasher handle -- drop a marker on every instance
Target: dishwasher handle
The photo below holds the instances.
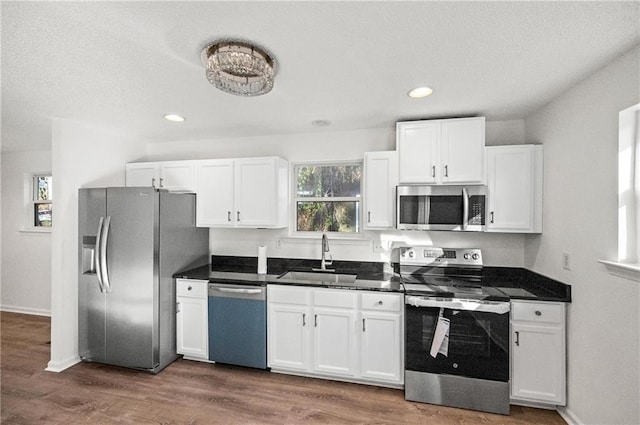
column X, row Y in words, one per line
column 237, row 291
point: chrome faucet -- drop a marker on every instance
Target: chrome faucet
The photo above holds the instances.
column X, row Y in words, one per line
column 325, row 249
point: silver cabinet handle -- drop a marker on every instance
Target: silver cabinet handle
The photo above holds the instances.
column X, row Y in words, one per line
column 446, row 171
column 538, row 313
column 433, row 171
column 491, row 220
column 153, row 182
column 364, row 328
column 189, row 288
column 368, row 216
column 177, row 307
column 315, row 320
column 304, row 319
column 517, row 338
column 228, row 215
column 380, row 302
column 161, row 182
column 98, row 257
column 238, row 216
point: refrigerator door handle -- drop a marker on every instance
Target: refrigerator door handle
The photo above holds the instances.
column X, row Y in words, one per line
column 103, row 254
column 98, row 263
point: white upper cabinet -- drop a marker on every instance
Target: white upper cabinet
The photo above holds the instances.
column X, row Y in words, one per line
column 380, row 180
column 214, row 193
column 447, row 151
column 175, row 176
column 247, row 192
column 514, row 178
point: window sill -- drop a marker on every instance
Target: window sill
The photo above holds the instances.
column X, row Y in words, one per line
column 625, row 270
column 34, row 231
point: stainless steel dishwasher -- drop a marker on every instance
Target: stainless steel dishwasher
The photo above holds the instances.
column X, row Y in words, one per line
column 238, row 324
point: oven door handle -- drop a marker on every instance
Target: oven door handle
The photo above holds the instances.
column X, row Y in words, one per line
column 460, row 304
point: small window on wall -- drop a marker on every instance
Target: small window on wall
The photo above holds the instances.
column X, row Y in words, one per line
column 42, row 201
column 327, row 198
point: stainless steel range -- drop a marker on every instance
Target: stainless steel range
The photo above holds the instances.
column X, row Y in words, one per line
column 457, row 331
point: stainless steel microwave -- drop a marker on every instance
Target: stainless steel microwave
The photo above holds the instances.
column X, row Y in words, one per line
column 458, row 208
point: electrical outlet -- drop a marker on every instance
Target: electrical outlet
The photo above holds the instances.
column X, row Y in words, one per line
column 278, row 243
column 565, row 261
column 379, row 246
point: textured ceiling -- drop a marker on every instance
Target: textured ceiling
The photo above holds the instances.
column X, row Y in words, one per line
column 124, row 65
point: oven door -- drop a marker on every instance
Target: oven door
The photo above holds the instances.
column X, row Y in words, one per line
column 478, row 338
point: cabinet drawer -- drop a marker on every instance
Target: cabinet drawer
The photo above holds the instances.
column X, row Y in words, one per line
column 191, row 288
column 539, row 312
column 381, row 302
column 334, row 298
column 288, row 295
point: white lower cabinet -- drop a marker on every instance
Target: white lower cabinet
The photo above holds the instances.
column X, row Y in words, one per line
column 192, row 315
column 339, row 334
column 538, row 352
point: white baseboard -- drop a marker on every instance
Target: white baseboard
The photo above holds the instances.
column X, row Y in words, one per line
column 569, row 417
column 25, row 310
column 59, row 366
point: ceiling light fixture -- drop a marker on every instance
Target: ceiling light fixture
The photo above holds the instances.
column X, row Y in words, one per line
column 321, row 123
column 174, row 118
column 239, row 68
column 420, row 92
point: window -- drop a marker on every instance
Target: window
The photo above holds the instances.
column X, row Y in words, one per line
column 42, row 195
column 327, row 197
column 628, row 262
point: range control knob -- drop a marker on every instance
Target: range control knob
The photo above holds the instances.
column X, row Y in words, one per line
column 411, row 254
column 475, row 256
column 467, row 256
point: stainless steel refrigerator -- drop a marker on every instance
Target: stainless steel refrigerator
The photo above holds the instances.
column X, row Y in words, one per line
column 131, row 242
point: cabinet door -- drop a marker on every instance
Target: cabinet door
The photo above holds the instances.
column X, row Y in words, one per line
column 381, row 347
column 288, row 341
column 177, row 176
column 462, row 150
column 538, row 371
column 215, row 192
column 334, row 341
column 417, row 146
column 192, row 329
column 380, row 180
column 142, row 174
column 512, row 176
column 256, row 196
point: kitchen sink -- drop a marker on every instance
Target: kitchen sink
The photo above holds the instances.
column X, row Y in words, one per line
column 321, row 277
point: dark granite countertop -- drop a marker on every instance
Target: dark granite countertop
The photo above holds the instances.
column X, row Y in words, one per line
column 517, row 283
column 372, row 276
column 522, row 284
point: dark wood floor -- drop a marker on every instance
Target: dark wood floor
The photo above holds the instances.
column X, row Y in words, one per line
column 190, row 392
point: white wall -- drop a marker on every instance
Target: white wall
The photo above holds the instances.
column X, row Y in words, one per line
column 579, row 131
column 26, row 260
column 348, row 145
column 83, row 156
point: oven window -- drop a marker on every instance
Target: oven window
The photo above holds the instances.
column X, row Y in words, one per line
column 478, row 343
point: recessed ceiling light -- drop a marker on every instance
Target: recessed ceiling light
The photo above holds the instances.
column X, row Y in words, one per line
column 419, row 92
column 174, row 118
column 321, row 123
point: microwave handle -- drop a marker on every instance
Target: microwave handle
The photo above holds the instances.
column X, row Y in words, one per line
column 465, row 208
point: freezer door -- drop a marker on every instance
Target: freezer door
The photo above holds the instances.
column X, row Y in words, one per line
column 92, row 208
column 132, row 275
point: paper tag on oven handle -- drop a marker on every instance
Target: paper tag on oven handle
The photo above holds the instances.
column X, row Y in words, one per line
column 440, row 342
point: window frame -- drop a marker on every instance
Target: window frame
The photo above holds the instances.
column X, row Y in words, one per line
column 627, row 263
column 293, row 215
column 31, row 202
